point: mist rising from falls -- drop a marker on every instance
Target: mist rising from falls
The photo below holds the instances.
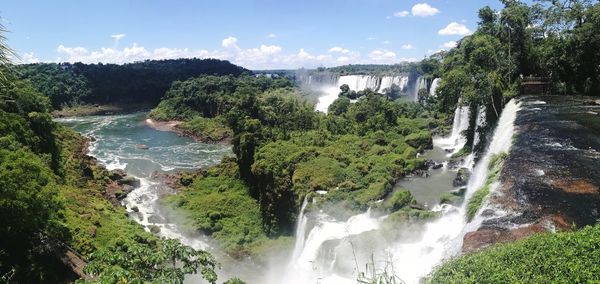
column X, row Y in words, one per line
column 333, row 250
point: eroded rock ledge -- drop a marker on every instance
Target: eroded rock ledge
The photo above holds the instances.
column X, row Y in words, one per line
column 551, row 177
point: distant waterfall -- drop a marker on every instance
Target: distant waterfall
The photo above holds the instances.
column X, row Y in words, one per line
column 333, row 249
column 330, row 86
column 420, row 85
column 434, row 86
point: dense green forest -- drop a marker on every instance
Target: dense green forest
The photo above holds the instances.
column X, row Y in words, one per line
column 141, row 83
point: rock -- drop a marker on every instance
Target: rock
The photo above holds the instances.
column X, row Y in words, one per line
column 437, row 166
column 129, row 181
column 135, row 209
column 142, row 146
column 156, row 219
column 462, row 177
column 117, row 174
column 154, row 229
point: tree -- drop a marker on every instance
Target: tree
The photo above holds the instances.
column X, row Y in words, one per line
column 142, row 263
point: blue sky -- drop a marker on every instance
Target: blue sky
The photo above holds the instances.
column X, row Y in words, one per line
column 259, row 34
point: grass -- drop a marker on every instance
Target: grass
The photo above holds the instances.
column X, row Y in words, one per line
column 568, row 257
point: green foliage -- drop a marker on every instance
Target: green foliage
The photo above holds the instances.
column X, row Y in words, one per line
column 570, row 257
column 167, row 262
column 219, row 204
column 399, row 199
column 478, row 198
column 207, row 129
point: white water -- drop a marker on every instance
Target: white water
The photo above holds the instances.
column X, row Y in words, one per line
column 412, row 256
column 434, row 85
column 420, row 85
column 355, row 83
column 456, row 140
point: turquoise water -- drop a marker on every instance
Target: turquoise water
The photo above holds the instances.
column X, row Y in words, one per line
column 118, row 136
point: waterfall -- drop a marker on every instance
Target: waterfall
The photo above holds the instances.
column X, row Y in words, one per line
column 300, row 231
column 330, row 87
column 456, row 141
column 420, row 84
column 434, row 86
column 333, row 246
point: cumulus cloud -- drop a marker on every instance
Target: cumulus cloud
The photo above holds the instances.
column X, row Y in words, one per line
column 401, row 14
column 271, row 35
column 229, row 42
column 407, row 46
column 27, row 58
column 264, row 56
column 339, row 49
column 424, row 10
column 449, row 45
column 454, row 28
column 382, row 55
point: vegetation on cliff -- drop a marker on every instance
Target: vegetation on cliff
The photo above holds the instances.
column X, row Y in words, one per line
column 568, row 257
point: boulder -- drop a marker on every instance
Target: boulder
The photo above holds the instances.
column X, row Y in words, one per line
column 462, row 177
column 129, row 180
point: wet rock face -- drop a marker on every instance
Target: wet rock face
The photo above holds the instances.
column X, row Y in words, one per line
column 551, row 177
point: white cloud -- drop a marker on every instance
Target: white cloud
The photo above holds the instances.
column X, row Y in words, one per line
column 401, row 14
column 371, row 38
column 424, row 10
column 449, row 45
column 454, row 28
column 263, row 56
column 382, row 55
column 118, row 37
column 407, row 46
column 230, row 42
column 386, row 42
column 271, row 35
column 27, row 58
column 339, row 49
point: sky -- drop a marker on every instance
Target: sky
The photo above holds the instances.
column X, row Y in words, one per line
column 256, row 34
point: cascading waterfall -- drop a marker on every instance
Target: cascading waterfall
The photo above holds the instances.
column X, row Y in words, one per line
column 420, row 85
column 434, row 86
column 412, row 257
column 456, row 140
column 331, row 86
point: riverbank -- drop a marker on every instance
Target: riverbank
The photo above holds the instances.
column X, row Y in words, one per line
column 181, row 128
column 96, row 109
